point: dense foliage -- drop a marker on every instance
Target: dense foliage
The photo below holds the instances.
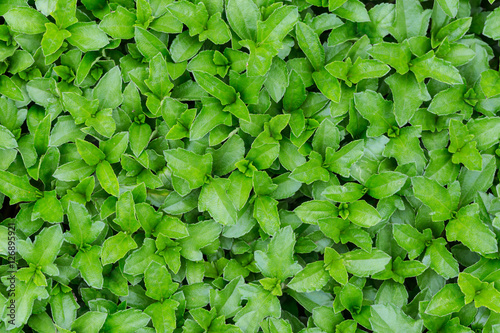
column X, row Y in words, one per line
column 232, row 166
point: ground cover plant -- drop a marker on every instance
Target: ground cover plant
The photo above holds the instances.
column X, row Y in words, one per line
column 247, row 166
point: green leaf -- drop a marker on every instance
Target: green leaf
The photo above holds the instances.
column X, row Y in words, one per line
column 261, row 304
column 91, row 321
column 200, row 235
column 79, row 107
column 273, row 325
column 410, row 21
column 484, row 131
column 440, row 259
column 26, row 20
column 74, row 170
column 109, row 89
column 209, row 117
column 243, row 16
column 158, row 77
column 107, row 178
column 389, row 318
column 311, row 211
column 125, row 213
column 48, row 208
column 490, row 83
column 116, row 247
column 436, row 197
column 310, row 278
column 410, row 239
column 7, row 139
column 405, row 147
column 327, row 84
column 183, row 47
column 277, row 79
column 441, row 168
column 450, row 7
column 239, row 109
column 63, row 307
column 148, row 44
column 215, row 199
column 166, row 23
column 363, row 264
column 163, row 315
column 333, row 263
column 407, row 96
column 363, row 214
column 119, row 24
column 429, row 66
column 353, row 10
column 53, row 39
column 385, row 184
column 195, row 17
column 396, row 55
column 10, row 89
column 126, row 321
column 139, row 135
column 139, row 260
column 17, row 188
column 488, row 297
column 449, row 101
column 351, row 297
column 453, row 31
column 468, row 228
column 226, row 157
column 217, row 31
column 277, row 260
column 191, row 167
column 265, row 211
column 42, row 133
column 103, row 122
column 366, row 69
column 325, row 319
column 472, row 182
column 447, row 300
column 82, row 230
column 115, row 147
column 326, row 135
column 87, row 36
column 261, row 56
column 470, row 286
column 311, row 171
column 89, row 153
column 491, row 25
column 28, row 294
column 374, row 108
column 277, row 25
column 158, row 282
column 215, row 87
column 310, row 44
column 341, row 161
column 227, row 300
column 348, row 192
column 64, row 13
column 43, row 251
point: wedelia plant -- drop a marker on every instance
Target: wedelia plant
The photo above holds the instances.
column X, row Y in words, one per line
column 241, row 166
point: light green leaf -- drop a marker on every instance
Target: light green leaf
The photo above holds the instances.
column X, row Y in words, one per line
column 107, row 178
column 468, row 228
column 389, row 318
column 116, row 247
column 277, row 260
column 189, row 166
column 310, row 278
